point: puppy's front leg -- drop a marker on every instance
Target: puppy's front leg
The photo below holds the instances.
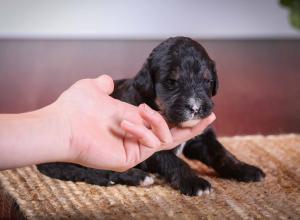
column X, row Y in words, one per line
column 78, row 173
column 177, row 172
column 207, row 149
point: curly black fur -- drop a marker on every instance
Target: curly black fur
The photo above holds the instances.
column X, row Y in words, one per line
column 178, row 79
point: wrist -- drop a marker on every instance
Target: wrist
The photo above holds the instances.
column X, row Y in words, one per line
column 33, row 137
column 56, row 131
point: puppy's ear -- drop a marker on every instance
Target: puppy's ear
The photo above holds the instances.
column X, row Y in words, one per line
column 143, row 82
column 215, row 84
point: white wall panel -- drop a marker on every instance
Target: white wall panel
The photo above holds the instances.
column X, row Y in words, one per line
column 135, row 19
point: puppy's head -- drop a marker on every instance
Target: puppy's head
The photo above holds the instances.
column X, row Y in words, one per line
column 181, row 78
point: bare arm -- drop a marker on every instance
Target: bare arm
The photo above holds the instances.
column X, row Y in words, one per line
column 32, row 138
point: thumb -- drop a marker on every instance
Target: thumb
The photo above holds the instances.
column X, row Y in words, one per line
column 105, row 83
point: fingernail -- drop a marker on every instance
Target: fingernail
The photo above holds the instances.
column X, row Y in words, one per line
column 148, row 109
column 213, row 117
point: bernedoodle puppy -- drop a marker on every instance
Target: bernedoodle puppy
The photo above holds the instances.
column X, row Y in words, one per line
column 178, row 79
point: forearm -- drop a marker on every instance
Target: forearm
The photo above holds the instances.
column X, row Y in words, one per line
column 32, row 138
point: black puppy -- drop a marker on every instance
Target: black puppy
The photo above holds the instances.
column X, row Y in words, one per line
column 178, row 79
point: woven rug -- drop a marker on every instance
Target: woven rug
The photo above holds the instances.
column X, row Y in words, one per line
column 36, row 196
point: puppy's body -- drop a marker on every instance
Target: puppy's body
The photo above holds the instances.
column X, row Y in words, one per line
column 178, row 79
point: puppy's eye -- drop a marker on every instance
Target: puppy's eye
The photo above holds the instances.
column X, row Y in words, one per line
column 171, row 82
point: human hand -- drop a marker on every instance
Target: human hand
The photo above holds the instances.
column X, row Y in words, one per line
column 106, row 133
column 87, row 126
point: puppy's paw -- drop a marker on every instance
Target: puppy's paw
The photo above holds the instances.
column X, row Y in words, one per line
column 194, row 186
column 132, row 177
column 147, row 181
column 250, row 173
column 244, row 172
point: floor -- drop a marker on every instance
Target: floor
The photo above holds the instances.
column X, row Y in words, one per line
column 276, row 197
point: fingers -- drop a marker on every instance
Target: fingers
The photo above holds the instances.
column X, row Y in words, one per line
column 200, row 127
column 183, row 134
column 160, row 136
column 105, row 83
column 157, row 123
column 148, row 143
column 140, row 141
column 144, row 135
column 135, row 152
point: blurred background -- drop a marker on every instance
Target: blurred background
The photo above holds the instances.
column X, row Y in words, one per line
column 47, row 45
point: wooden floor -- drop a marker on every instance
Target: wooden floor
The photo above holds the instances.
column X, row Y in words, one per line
column 259, row 79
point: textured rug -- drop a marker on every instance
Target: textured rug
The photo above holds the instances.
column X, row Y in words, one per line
column 34, row 196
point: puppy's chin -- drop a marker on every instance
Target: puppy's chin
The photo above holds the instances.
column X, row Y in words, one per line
column 172, row 123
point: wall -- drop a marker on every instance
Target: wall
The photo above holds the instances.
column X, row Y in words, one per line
column 259, row 88
column 134, row 19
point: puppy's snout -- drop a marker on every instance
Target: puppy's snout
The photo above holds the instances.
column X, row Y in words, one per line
column 197, row 107
column 193, row 108
column 207, row 109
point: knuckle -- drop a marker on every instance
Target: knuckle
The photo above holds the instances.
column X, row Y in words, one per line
column 156, row 143
column 157, row 119
column 146, row 137
column 82, row 82
column 147, row 141
column 153, row 142
column 168, row 141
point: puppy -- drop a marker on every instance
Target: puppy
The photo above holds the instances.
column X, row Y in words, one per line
column 178, row 79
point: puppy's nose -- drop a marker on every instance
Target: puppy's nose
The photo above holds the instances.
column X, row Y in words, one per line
column 193, row 108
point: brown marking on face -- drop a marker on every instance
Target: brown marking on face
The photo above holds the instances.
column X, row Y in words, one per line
column 207, row 75
column 174, row 75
